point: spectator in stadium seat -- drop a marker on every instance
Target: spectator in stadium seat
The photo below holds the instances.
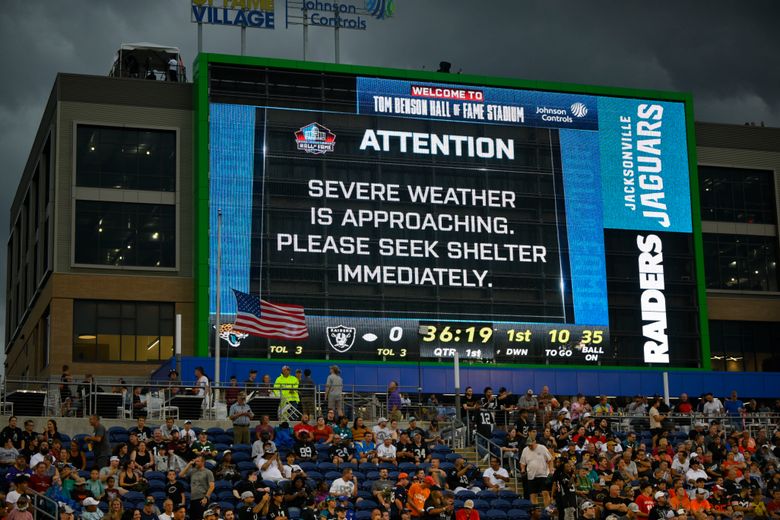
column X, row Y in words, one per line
column 438, row 474
column 303, row 426
column 404, row 449
column 265, row 426
column 143, row 458
column 204, row 447
column 94, row 485
column 167, row 512
column 241, row 415
column 433, row 435
column 421, row 452
column 174, row 490
column 365, row 450
column 201, row 485
column 14, row 433
column 8, row 453
column 322, row 433
column 21, row 510
column 188, row 435
column 467, row 512
column 345, row 486
column 395, row 431
column 386, row 452
column 143, row 432
column 116, row 510
column 342, row 429
column 296, row 493
column 342, row 451
column 149, row 511
column 290, row 469
column 604, row 407
column 359, row 429
column 418, row 495
column 656, row 421
column 269, row 465
column 381, row 430
column 258, row 447
column 495, row 477
column 393, row 402
column 112, row 491
column 305, row 449
column 227, row 469
column 461, row 476
column 283, row 436
column 382, row 490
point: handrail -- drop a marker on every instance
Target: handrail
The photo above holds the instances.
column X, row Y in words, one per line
column 490, row 445
column 43, row 507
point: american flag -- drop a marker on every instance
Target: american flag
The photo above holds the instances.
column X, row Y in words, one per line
column 269, row 320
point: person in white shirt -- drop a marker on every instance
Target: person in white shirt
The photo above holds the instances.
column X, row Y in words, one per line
column 188, row 433
column 495, row 477
column 203, row 387
column 269, row 465
column 537, row 463
column 291, row 469
column 386, row 452
column 712, row 405
column 346, row 486
column 168, row 428
column 681, row 463
column 167, row 513
column 695, row 471
column 381, row 430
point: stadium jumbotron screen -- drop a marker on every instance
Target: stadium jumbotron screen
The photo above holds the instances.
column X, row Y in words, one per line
column 413, row 219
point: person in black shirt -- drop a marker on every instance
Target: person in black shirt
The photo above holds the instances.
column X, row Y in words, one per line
column 13, row 433
column 420, row 450
column 305, row 449
column 470, row 406
column 277, row 508
column 404, row 449
column 413, row 428
column 437, row 507
column 661, row 509
column 309, row 511
column 342, row 451
column 174, row 490
column 143, row 432
column 565, row 490
column 297, row 494
column 248, row 510
column 28, row 434
column 400, row 496
column 486, row 418
column 460, row 476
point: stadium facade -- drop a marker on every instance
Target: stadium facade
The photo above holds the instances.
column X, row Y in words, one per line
column 113, row 226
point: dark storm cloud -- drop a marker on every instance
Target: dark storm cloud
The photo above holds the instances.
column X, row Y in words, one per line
column 723, row 52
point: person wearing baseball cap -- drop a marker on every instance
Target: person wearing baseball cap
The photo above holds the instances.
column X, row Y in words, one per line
column 467, row 512
column 661, row 510
column 90, row 509
column 418, row 494
column 400, row 495
column 249, row 510
column 588, row 510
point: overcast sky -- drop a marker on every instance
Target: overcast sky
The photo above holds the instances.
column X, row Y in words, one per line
column 725, row 53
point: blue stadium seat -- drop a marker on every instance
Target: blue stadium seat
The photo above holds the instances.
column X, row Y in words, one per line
column 364, row 505
column 358, row 474
column 332, row 475
column 242, row 448
column 222, row 485
column 220, row 447
column 363, row 515
column 315, row 475
column 308, row 466
column 368, row 466
column 83, row 473
column 65, row 438
column 452, row 457
column 225, row 495
column 117, row 430
column 156, row 485
column 154, row 475
column 500, row 503
column 507, row 494
column 133, row 496
column 103, row 506
column 225, row 505
column 487, row 495
column 224, row 439
column 365, row 495
column 499, row 434
column 481, row 505
column 78, row 438
column 518, row 514
column 447, row 466
column 372, row 475
column 159, row 496
column 521, row 503
column 323, row 455
column 408, row 467
column 215, row 431
column 387, row 466
column 246, row 466
column 350, row 465
column 465, row 495
column 495, row 514
column 327, row 466
column 241, row 456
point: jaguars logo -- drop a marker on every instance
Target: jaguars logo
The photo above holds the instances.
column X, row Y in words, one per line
column 233, row 337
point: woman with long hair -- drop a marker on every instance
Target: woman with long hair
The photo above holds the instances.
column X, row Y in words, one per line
column 359, row 429
column 115, row 510
column 51, row 433
column 77, row 456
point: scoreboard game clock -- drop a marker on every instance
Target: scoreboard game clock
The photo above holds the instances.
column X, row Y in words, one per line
column 415, row 218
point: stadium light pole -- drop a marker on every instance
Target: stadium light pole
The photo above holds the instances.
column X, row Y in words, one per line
column 219, row 298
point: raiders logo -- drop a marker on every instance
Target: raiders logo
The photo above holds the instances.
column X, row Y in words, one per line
column 341, row 338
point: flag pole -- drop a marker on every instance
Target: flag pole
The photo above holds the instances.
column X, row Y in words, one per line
column 219, row 301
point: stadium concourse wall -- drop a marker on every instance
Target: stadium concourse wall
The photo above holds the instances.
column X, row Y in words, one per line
column 439, row 378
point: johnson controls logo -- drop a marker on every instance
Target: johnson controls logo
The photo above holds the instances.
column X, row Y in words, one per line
column 579, row 109
column 315, row 138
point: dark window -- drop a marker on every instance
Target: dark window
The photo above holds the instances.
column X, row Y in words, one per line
column 737, row 195
column 125, row 234
column 745, row 346
column 740, row 262
column 122, row 331
column 126, row 158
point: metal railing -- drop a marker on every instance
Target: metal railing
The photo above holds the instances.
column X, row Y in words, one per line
column 43, row 507
column 486, row 448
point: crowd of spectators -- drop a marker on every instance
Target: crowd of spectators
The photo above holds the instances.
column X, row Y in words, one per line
column 547, row 456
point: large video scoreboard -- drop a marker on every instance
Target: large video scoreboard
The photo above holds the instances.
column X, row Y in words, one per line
column 417, row 216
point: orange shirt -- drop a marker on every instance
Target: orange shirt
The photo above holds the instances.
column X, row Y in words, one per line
column 418, row 494
column 680, row 502
column 700, row 505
